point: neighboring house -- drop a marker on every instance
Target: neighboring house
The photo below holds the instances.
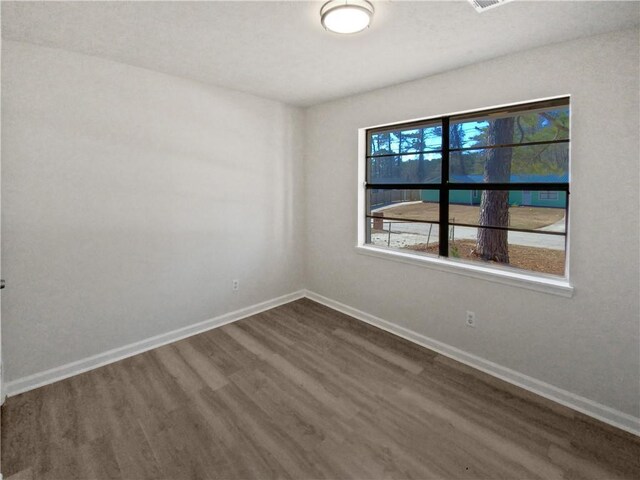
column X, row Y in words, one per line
column 537, row 198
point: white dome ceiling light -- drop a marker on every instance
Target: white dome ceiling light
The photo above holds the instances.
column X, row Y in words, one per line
column 346, row 16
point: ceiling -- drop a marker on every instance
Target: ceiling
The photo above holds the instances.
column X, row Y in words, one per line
column 279, row 50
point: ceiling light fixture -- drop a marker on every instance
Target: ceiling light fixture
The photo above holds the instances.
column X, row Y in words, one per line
column 346, row 16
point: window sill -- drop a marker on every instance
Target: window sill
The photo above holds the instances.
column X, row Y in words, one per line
column 559, row 286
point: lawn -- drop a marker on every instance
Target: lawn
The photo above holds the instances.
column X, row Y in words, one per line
column 530, row 218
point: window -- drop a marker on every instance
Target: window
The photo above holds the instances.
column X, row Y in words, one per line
column 545, row 195
column 488, row 187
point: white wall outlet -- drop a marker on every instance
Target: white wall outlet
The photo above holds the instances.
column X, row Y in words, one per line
column 235, row 285
column 471, row 319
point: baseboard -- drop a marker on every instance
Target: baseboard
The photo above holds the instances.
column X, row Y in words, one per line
column 594, row 409
column 581, row 404
column 74, row 368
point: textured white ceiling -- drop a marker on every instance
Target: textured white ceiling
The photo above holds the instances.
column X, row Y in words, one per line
column 279, row 50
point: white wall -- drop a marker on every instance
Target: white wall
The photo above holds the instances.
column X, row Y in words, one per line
column 589, row 344
column 131, row 199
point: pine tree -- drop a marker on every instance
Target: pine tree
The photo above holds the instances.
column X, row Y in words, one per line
column 492, row 244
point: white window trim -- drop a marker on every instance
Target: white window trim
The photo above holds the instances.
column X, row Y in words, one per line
column 523, row 279
column 538, row 283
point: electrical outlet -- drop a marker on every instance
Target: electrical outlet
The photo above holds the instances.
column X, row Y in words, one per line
column 471, row 319
column 235, row 285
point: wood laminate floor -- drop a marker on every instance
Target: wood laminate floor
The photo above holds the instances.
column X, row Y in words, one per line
column 301, row 392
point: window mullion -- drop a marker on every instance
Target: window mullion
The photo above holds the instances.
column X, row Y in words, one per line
column 444, row 191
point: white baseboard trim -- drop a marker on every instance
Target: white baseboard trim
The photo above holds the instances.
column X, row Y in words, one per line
column 594, row 409
column 581, row 404
column 55, row 374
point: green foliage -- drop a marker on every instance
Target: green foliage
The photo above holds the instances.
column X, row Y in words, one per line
column 412, row 165
column 537, row 126
column 529, row 127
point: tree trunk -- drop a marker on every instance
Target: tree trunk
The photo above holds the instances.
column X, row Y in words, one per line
column 493, row 244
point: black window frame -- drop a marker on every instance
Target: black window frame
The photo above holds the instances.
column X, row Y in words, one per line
column 445, row 186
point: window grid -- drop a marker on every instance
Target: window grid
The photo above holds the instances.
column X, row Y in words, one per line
column 445, row 186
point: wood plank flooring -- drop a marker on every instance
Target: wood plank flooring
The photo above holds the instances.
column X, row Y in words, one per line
column 301, row 392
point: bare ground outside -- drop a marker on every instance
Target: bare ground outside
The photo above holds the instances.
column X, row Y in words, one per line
column 526, row 257
column 530, row 218
column 543, row 260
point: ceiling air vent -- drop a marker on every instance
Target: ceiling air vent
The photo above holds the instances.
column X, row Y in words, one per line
column 482, row 5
